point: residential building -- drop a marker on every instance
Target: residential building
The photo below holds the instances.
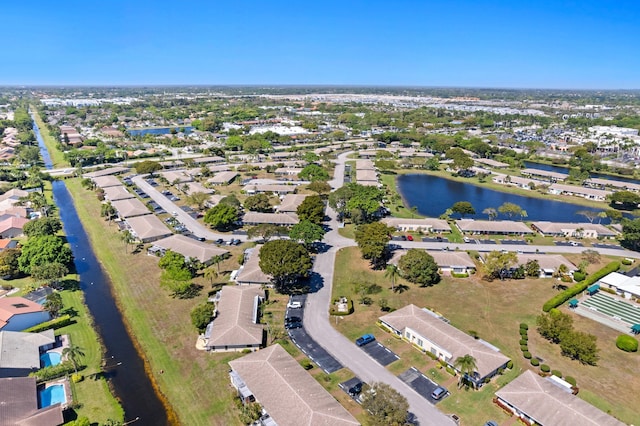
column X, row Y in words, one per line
column 250, row 272
column 549, row 263
column 429, row 332
column 579, row 191
column 290, row 395
column 493, row 227
column 18, row 313
column 105, row 181
column 491, row 163
column 235, row 326
column 105, row 172
column 19, row 404
column 276, row 189
column 456, row 262
column 130, row 207
column 417, row 225
column 290, row 203
column 20, row 352
column 628, row 287
column 544, row 175
column 115, row 193
column 222, row 178
column 188, row 247
column 148, row 228
column 573, row 230
column 282, row 219
column 546, row 402
column 11, row 227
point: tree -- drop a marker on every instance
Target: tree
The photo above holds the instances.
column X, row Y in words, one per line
column 614, row 215
column 467, row 366
column 510, row 209
column 591, row 255
column 172, row 259
column 311, row 209
column 42, row 226
column 580, row 346
column 306, row 232
column 419, row 267
column 201, row 316
column 127, row 238
column 314, row 173
column 49, row 272
column 210, row 273
column 319, row 187
column 286, row 261
column 491, row 213
column 222, row 216
column 29, row 155
column 177, row 280
column 554, row 325
column 631, row 234
column 463, row 208
column 372, row 238
column 498, row 263
column 231, row 200
column 197, row 199
column 625, row 200
column 147, row 167
column 392, row 272
column 265, row 231
column 53, row 304
column 258, row 203
column 42, row 250
column 107, row 210
column 73, row 353
column 9, row 265
column 532, row 268
column 385, row 405
column 589, row 214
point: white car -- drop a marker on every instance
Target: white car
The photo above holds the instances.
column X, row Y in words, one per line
column 294, row 304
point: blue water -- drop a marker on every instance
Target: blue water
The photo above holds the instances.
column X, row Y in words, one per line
column 50, row 358
column 52, row 395
column 565, row 170
column 433, row 195
column 158, row 130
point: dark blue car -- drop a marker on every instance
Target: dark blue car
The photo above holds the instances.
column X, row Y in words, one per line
column 363, row 340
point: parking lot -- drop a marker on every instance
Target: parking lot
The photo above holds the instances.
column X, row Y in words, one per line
column 609, row 246
column 514, row 242
column 421, row 384
column 435, row 240
column 568, row 243
column 345, row 386
column 380, row 353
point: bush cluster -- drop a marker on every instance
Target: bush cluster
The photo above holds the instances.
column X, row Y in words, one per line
column 545, row 368
column 579, row 276
column 53, row 372
column 570, row 380
column 567, row 294
column 627, row 343
column 526, row 354
column 535, row 362
column 55, row 323
column 557, row 373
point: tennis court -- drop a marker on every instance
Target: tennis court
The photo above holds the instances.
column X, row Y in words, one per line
column 615, row 308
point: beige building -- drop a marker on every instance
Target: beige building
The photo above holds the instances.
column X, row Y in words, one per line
column 492, row 227
column 417, row 225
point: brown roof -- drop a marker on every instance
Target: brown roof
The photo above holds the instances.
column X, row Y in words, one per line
column 10, row 306
column 130, row 207
column 14, row 194
column 188, row 247
column 290, row 395
column 13, row 222
column 148, row 227
column 105, row 172
column 106, row 181
column 548, row 404
column 233, row 324
column 250, row 272
column 19, row 404
column 290, row 202
column 446, row 336
column 273, row 218
column 115, row 193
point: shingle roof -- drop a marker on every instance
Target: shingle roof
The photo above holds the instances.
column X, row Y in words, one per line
column 290, row 202
column 548, row 404
column 546, row 261
column 449, row 338
column 250, row 272
column 426, row 223
column 19, row 404
column 130, row 207
column 148, row 227
column 561, row 227
column 222, row 177
column 273, row 218
column 106, row 181
column 115, row 193
column 287, row 392
column 188, row 247
column 233, row 324
column 21, row 350
column 496, row 226
column 10, row 306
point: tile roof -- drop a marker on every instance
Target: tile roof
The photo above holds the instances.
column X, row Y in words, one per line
column 233, row 324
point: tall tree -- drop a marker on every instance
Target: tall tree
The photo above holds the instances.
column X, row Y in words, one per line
column 73, row 353
column 385, row 405
column 197, row 199
column 491, row 213
column 497, row 263
column 286, row 261
column 42, row 250
column 510, row 209
column 466, row 365
column 463, row 208
column 313, row 173
column 392, row 272
column 306, row 232
column 258, row 203
column 311, row 209
column 554, row 325
column 222, row 216
column 42, row 226
column 265, row 231
column 419, row 267
column 53, row 304
column 373, row 238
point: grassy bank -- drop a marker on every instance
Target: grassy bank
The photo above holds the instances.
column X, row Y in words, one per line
column 57, row 156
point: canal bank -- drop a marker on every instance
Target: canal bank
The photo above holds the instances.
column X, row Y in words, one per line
column 123, row 367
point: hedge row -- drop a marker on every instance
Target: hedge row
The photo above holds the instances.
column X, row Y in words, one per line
column 53, row 372
column 56, row 323
column 567, row 294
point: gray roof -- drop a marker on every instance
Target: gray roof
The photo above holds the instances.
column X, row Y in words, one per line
column 106, row 172
column 106, row 181
column 546, row 261
column 426, row 223
column 494, row 226
column 290, row 395
column 130, row 207
column 544, row 173
column 290, row 202
column 548, row 404
column 148, row 227
column 273, row 218
column 188, row 247
column 563, row 228
column 233, row 324
column 444, row 259
column 222, row 177
column 250, row 272
column 21, row 350
column 115, row 193
column 19, row 404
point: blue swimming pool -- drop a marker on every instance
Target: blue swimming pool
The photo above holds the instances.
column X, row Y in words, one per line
column 50, row 358
column 52, row 395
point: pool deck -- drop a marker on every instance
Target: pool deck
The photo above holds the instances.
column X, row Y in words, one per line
column 67, row 391
column 64, row 343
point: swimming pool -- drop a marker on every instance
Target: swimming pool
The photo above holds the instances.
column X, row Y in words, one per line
column 52, row 395
column 50, row 358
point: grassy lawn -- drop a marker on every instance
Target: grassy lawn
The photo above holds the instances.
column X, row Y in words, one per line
column 493, row 310
column 395, row 203
column 57, row 157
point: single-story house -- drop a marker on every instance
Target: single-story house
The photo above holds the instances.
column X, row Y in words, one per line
column 222, row 178
column 14, row 195
column 19, row 404
column 130, row 207
column 18, row 211
column 192, row 187
column 235, row 326
column 575, row 230
column 8, row 244
column 457, row 262
column 366, row 175
column 106, row 181
column 610, row 183
column 429, row 332
column 218, row 168
column 148, row 228
column 176, row 176
column 282, row 219
column 417, row 225
column 287, row 171
column 491, row 163
column 365, row 165
column 115, row 193
column 20, row 352
column 544, row 175
column 250, row 272
column 546, row 402
column 208, row 160
column 18, row 313
column 213, row 200
column 12, row 227
column 105, row 172
column 520, row 182
column 188, row 247
column 624, row 285
column 579, row 191
column 492, row 227
column 549, row 263
column 276, row 189
column 286, row 392
column 290, row 203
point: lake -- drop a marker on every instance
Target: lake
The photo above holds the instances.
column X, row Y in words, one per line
column 433, row 195
column 561, row 169
column 158, row 130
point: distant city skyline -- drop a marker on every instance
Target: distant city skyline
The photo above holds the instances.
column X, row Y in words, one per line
column 498, row 44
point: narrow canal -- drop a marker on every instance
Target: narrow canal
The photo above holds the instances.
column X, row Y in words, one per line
column 123, row 365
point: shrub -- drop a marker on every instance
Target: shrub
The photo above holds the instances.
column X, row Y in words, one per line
column 523, row 326
column 450, row 370
column 77, row 377
column 557, row 373
column 571, row 380
column 501, row 371
column 627, row 343
column 306, row 364
column 545, row 368
column 579, row 276
column 53, row 372
column 524, row 337
column 510, row 364
column 455, row 275
column 524, row 333
column 55, row 323
column 524, row 342
column 524, row 348
column 567, row 294
column 526, row 354
column 535, row 362
column 627, row 262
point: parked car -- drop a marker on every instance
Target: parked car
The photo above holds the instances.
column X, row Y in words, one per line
column 363, row 340
column 294, row 304
column 292, row 325
column 292, row 319
column 410, row 237
column 355, row 389
column 219, row 241
column 438, row 393
column 491, row 423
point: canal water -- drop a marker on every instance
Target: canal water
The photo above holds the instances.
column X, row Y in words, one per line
column 566, row 170
column 123, row 365
column 433, row 195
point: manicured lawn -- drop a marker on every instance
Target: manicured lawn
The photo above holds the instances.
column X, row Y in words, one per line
column 57, row 157
column 493, row 310
column 395, row 203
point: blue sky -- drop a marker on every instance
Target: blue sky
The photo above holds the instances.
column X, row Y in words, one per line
column 527, row 44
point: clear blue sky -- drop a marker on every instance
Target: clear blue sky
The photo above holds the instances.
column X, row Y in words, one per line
column 516, row 43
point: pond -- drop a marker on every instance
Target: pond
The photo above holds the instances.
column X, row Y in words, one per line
column 433, row 195
column 561, row 169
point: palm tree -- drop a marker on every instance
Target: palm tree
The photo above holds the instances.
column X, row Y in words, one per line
column 73, row 354
column 127, row 237
column 466, row 365
column 210, row 273
column 392, row 273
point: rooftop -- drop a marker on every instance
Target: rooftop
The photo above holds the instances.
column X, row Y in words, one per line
column 188, row 247
column 234, row 323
